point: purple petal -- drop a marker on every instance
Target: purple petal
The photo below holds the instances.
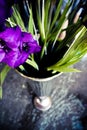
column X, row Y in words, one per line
column 27, row 37
column 34, row 47
column 2, row 55
column 19, row 46
column 30, row 42
column 11, row 58
column 24, row 54
column 21, row 59
column 2, row 2
column 15, row 58
column 12, row 37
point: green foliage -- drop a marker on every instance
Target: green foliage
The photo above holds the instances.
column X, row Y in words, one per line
column 76, row 51
column 16, row 19
column 32, row 62
column 0, row 92
column 47, row 24
column 31, row 23
column 3, row 75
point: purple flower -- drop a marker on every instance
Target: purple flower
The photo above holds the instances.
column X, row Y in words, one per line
column 5, row 11
column 16, row 46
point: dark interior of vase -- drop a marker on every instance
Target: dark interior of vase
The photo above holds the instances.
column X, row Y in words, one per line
column 48, row 60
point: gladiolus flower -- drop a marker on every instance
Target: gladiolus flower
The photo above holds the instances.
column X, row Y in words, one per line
column 16, row 46
column 5, row 11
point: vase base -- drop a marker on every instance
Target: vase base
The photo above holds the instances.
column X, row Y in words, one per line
column 42, row 103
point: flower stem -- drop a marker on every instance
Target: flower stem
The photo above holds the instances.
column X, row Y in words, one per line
column 43, row 19
column 43, row 49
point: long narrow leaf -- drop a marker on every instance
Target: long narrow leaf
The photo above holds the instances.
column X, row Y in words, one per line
column 39, row 24
column 30, row 23
column 56, row 13
column 17, row 18
column 57, row 29
column 3, row 74
column 43, row 19
column 72, row 31
column 32, row 63
column 75, row 52
column 0, row 92
column 65, row 69
column 47, row 9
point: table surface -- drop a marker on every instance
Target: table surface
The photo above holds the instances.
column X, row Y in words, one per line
column 69, row 103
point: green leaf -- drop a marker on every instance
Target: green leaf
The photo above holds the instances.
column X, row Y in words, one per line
column 47, row 7
column 64, row 69
column 22, row 68
column 56, row 13
column 39, row 25
column 16, row 18
column 43, row 18
column 75, row 52
column 77, row 45
column 54, row 33
column 0, row 92
column 32, row 63
column 30, row 23
column 3, row 74
column 70, row 34
column 10, row 22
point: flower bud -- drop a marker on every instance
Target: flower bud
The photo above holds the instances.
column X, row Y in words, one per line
column 77, row 15
column 62, row 35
